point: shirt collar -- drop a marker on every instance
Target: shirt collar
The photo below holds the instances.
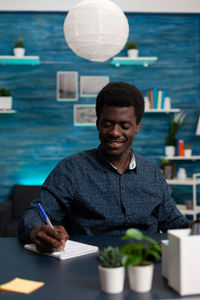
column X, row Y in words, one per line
column 132, row 164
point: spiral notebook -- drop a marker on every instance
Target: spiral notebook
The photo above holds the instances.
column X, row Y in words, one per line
column 72, row 249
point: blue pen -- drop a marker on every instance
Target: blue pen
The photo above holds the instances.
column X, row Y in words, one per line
column 44, row 215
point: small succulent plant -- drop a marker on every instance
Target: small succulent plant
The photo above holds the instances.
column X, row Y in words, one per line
column 4, row 92
column 110, row 257
column 131, row 45
column 19, row 43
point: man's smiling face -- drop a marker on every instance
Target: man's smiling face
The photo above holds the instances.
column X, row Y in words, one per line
column 117, row 128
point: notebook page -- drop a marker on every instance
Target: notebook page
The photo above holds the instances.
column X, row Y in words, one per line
column 72, row 249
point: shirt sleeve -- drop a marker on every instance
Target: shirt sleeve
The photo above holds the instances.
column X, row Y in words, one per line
column 167, row 213
column 55, row 197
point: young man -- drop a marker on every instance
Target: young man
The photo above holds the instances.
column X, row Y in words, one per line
column 104, row 190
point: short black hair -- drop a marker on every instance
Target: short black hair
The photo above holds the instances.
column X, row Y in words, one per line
column 120, row 94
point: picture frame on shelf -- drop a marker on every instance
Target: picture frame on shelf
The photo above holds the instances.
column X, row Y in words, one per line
column 67, row 86
column 84, row 115
column 90, row 86
column 169, row 170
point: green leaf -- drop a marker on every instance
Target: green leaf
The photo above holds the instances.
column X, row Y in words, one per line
column 128, row 248
column 134, row 234
column 128, row 260
column 125, row 237
column 146, row 238
column 157, row 247
column 154, row 253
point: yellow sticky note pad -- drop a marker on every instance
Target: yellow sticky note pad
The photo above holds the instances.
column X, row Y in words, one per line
column 19, row 285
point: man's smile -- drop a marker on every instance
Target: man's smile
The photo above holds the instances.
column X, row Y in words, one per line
column 114, row 143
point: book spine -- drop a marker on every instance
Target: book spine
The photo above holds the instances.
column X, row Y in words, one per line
column 163, row 100
column 177, row 151
column 181, row 148
column 155, row 98
column 159, row 99
column 151, row 99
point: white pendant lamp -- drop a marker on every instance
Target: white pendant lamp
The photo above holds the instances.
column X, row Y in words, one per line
column 96, row 29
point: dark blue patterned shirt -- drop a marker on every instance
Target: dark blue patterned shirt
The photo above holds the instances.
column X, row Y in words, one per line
column 88, row 196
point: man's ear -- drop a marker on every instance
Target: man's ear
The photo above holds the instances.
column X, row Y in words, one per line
column 97, row 124
column 138, row 126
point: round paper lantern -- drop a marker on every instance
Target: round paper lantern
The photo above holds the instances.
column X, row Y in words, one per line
column 96, row 29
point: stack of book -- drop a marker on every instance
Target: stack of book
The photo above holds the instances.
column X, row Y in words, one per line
column 156, row 98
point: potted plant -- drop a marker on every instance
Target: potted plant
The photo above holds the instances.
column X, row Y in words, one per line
column 111, row 271
column 174, row 126
column 168, row 168
column 19, row 50
column 5, row 99
column 187, row 151
column 132, row 50
column 135, row 255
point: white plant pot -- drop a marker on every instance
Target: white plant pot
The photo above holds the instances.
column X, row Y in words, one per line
column 133, row 53
column 112, row 279
column 170, row 150
column 5, row 102
column 19, row 52
column 140, row 278
column 187, row 152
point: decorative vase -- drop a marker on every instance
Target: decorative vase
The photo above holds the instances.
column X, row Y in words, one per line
column 112, row 279
column 132, row 53
column 181, row 174
column 167, row 103
column 187, row 152
column 140, row 278
column 146, row 103
column 170, row 150
column 19, row 52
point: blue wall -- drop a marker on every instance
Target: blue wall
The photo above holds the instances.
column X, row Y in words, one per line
column 42, row 132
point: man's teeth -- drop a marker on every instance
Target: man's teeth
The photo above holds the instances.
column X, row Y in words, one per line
column 115, row 142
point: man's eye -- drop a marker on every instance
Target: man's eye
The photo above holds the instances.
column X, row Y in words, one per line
column 125, row 127
column 106, row 124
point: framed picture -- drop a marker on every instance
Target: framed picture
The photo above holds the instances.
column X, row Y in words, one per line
column 84, row 115
column 90, row 86
column 169, row 170
column 67, row 86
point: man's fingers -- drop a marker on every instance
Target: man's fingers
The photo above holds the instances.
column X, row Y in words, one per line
column 48, row 239
column 63, row 235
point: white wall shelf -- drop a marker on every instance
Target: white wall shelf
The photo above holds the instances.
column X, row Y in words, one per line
column 13, row 60
column 194, row 181
column 127, row 61
column 194, row 157
column 191, row 212
column 186, row 181
column 155, row 110
column 8, row 111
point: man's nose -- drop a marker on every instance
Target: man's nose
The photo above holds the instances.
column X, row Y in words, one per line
column 115, row 130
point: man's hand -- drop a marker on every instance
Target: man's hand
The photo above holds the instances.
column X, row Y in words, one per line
column 48, row 239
